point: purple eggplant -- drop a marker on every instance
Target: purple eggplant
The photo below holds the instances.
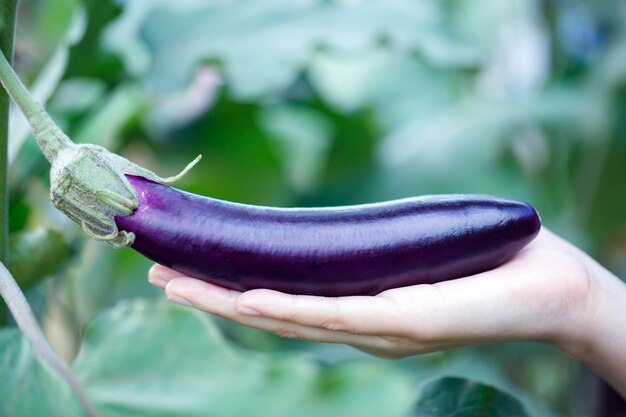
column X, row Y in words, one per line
column 334, row 251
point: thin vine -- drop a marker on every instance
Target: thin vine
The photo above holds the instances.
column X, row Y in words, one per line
column 10, row 292
column 25, row 319
column 8, row 13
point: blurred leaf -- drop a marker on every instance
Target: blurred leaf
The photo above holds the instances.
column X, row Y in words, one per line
column 158, row 359
column 458, row 397
column 490, row 365
column 44, row 23
column 303, row 139
column 43, row 212
column 476, row 121
column 457, row 147
column 448, row 150
column 88, row 58
column 35, row 254
column 608, row 216
column 239, row 161
column 29, row 386
column 350, row 81
column 77, row 95
column 103, row 126
column 19, row 211
column 274, row 39
column 46, row 82
column 102, row 276
column 345, row 102
column 172, row 111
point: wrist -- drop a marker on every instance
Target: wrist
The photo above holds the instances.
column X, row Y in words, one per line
column 595, row 331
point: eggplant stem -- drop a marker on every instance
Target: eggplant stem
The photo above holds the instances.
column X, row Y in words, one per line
column 49, row 136
column 79, row 172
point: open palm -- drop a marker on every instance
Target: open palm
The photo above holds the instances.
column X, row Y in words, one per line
column 536, row 296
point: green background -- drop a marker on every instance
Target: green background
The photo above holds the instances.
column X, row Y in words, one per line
column 307, row 103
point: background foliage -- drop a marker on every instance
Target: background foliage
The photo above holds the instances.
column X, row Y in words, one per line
column 308, row 103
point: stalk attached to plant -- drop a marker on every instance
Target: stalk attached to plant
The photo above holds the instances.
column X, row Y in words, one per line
column 87, row 182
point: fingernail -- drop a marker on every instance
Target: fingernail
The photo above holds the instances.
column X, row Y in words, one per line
column 163, row 272
column 248, row 311
column 156, row 281
column 175, row 298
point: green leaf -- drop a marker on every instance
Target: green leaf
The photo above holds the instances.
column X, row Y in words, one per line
column 34, row 254
column 459, row 397
column 265, row 45
column 103, row 126
column 350, row 81
column 303, row 139
column 77, row 95
column 154, row 358
column 30, row 387
column 101, row 277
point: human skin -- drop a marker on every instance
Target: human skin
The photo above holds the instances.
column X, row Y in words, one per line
column 550, row 291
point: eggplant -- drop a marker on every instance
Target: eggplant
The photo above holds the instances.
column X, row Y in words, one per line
column 331, row 251
column 336, row 251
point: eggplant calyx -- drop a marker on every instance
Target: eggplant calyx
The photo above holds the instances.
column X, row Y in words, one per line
column 89, row 185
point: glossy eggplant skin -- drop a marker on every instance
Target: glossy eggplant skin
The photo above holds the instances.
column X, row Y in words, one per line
column 335, row 251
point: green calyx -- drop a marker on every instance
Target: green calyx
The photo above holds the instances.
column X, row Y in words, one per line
column 89, row 185
column 87, row 182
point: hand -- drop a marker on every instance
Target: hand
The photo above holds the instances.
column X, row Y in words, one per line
column 523, row 299
column 550, row 291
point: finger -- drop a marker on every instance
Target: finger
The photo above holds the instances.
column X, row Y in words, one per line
column 519, row 300
column 356, row 314
column 385, row 352
column 160, row 275
column 223, row 302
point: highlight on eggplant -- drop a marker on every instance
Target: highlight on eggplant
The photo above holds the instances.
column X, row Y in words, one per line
column 333, row 251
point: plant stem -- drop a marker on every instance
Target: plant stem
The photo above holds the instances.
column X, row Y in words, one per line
column 25, row 319
column 49, row 136
column 41, row 123
column 8, row 12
